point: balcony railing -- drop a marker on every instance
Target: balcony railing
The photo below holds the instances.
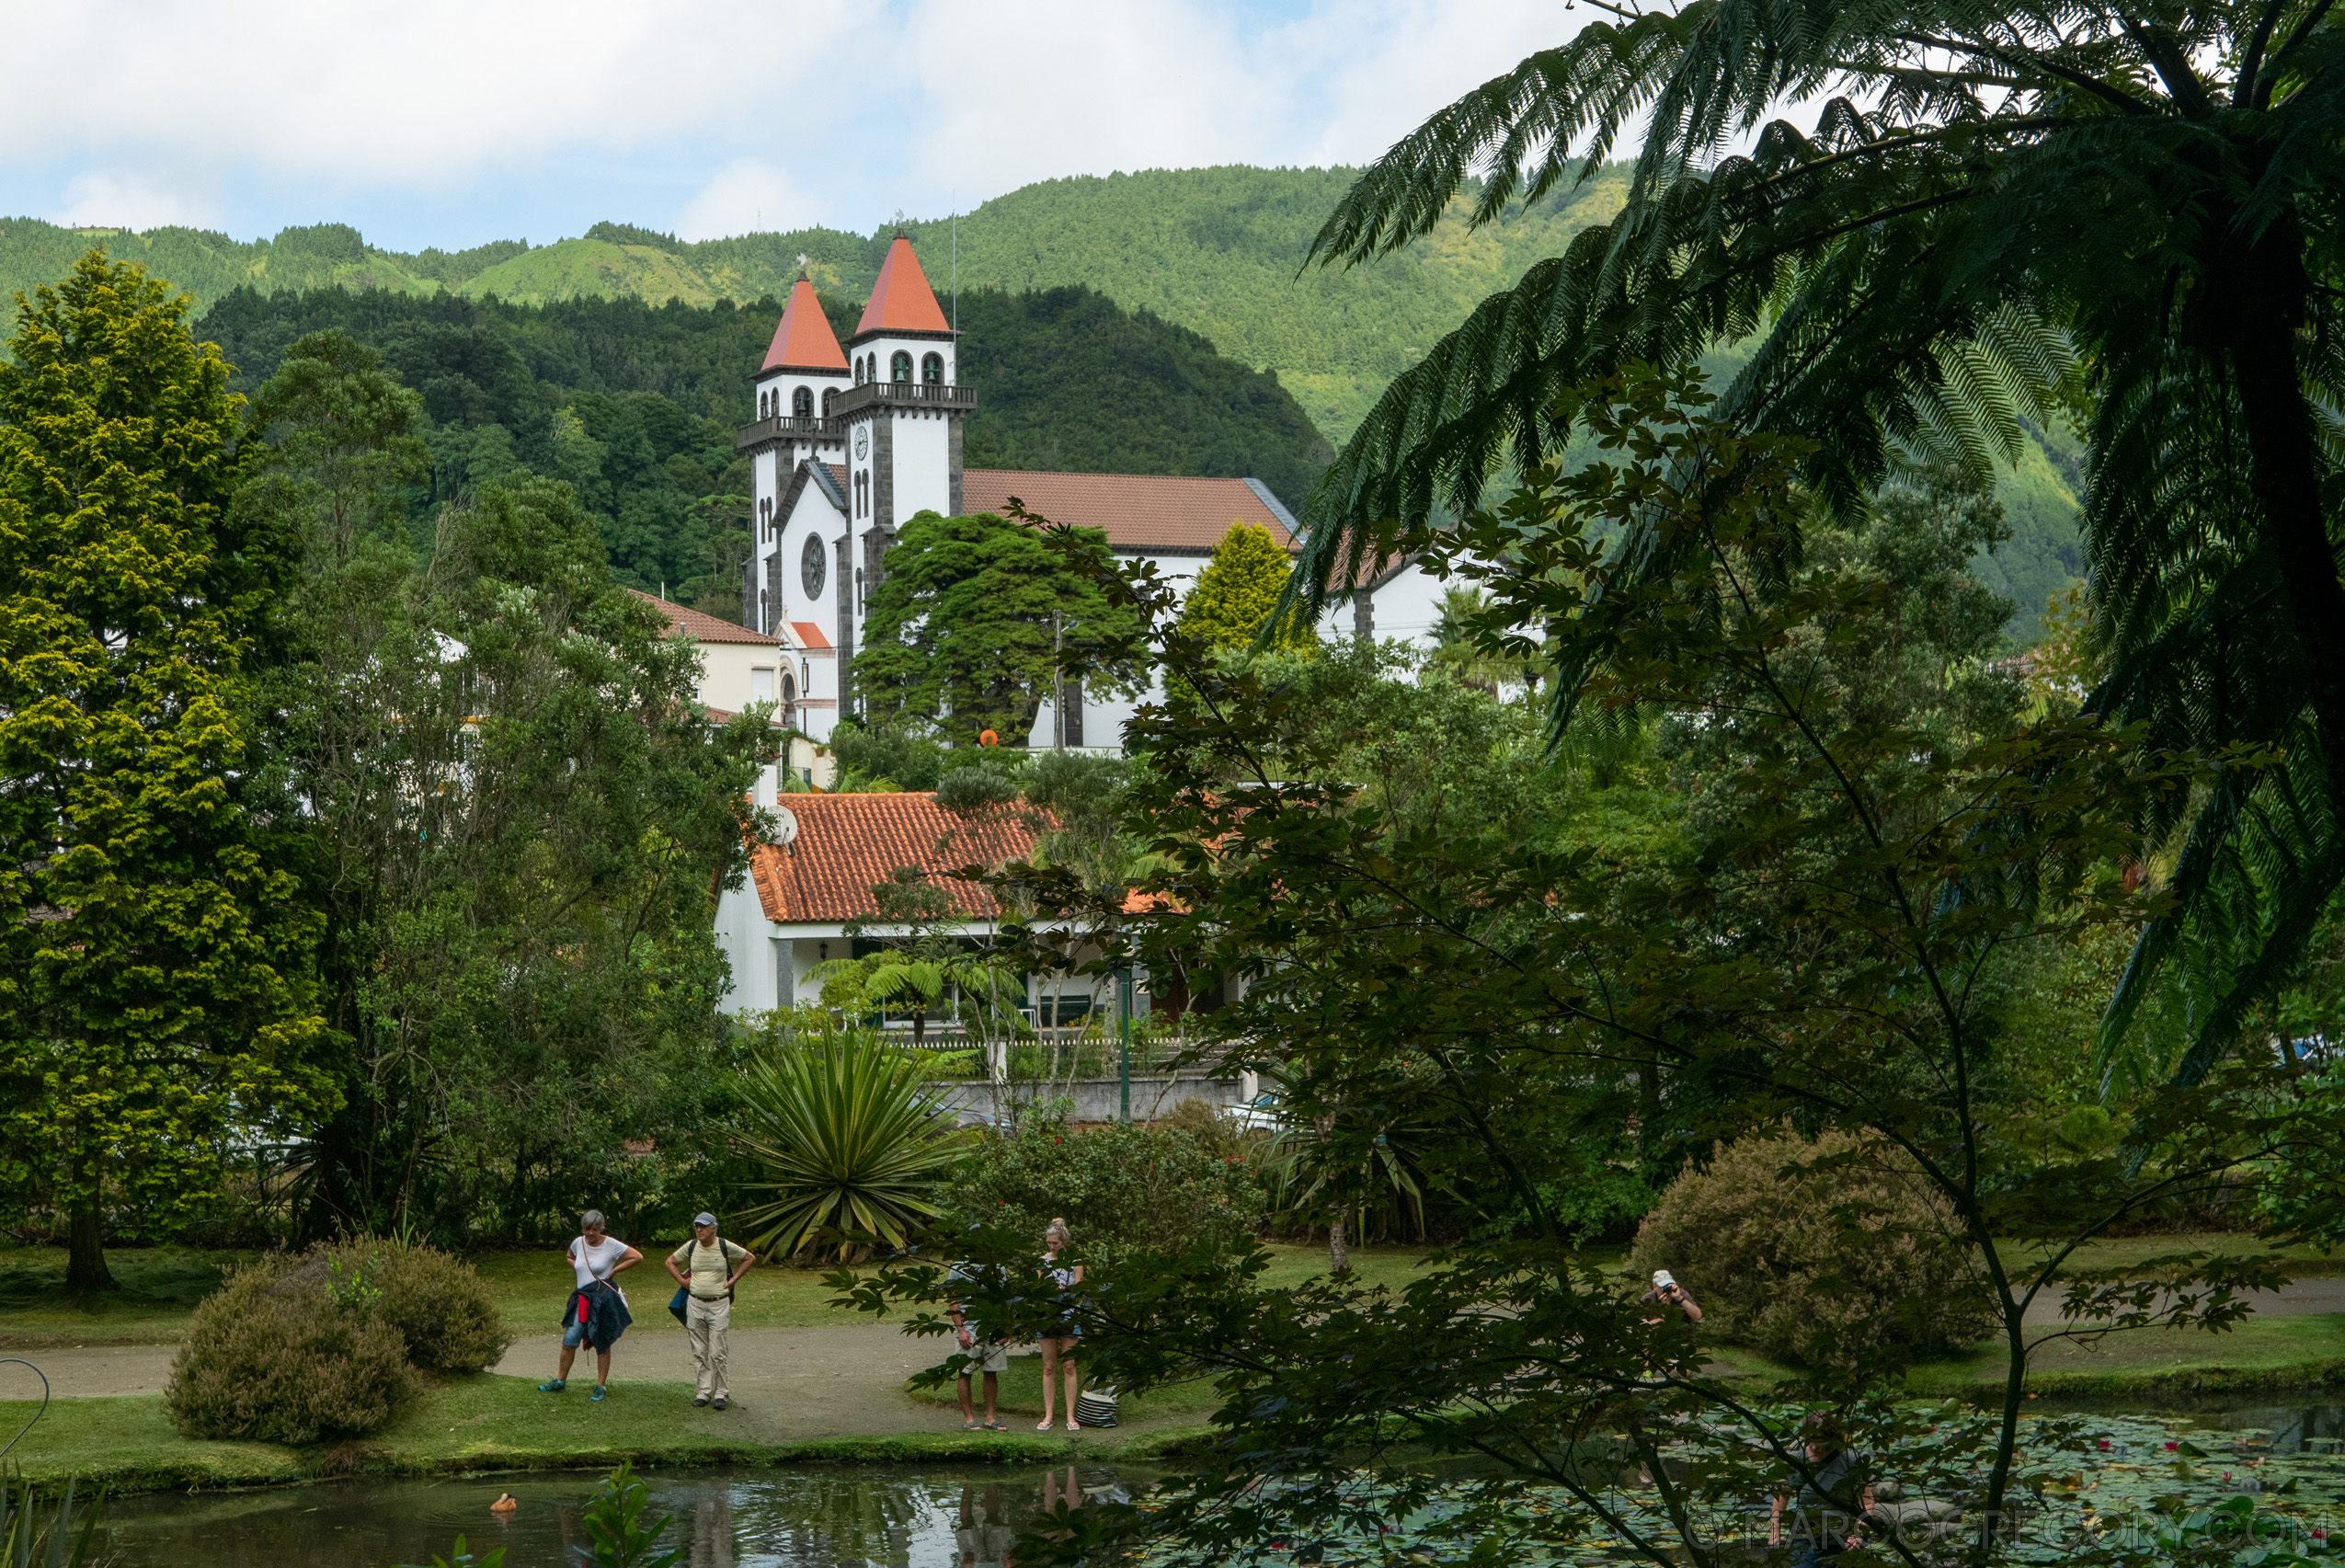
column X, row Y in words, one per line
column 790, row 429
column 903, row 395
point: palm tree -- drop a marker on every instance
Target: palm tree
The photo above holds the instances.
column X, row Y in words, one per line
column 2004, row 203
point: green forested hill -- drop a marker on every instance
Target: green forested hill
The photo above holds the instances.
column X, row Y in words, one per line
column 1215, row 251
column 637, row 404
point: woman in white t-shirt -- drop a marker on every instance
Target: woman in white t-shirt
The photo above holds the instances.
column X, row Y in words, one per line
column 595, row 1311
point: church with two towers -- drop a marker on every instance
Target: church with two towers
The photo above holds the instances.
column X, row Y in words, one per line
column 850, row 443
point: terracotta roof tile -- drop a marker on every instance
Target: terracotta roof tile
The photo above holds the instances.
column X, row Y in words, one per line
column 810, row 636
column 847, row 842
column 703, row 628
column 804, row 341
column 1137, row 511
column 901, row 301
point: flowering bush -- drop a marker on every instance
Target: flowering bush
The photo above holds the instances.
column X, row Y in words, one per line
column 1122, row 1187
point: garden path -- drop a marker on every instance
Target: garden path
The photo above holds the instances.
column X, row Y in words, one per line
column 836, row 1379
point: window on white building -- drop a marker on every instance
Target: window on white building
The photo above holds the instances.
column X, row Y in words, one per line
column 761, row 685
column 900, row 368
column 802, row 403
column 933, row 369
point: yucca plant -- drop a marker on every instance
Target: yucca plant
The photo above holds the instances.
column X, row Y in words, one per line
column 849, row 1142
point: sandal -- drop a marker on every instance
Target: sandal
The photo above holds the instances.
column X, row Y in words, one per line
column 995, row 1426
column 1043, row 1426
column 970, row 1425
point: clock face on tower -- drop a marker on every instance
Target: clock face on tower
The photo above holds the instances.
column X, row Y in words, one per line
column 863, row 441
column 810, row 564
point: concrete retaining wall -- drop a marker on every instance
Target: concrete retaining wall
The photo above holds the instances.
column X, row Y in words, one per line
column 1096, row 1099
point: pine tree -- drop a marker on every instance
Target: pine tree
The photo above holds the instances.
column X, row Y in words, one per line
column 965, row 629
column 154, row 952
column 1239, row 590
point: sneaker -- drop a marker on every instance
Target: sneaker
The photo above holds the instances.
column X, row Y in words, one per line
column 700, row 1401
column 556, row 1387
column 720, row 1402
column 599, row 1392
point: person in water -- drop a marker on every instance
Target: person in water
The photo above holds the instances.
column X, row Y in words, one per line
column 595, row 1311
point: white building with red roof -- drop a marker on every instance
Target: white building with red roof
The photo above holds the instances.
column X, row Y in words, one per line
column 849, row 443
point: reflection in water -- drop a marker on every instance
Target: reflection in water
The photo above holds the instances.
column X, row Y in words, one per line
column 826, row 1516
column 819, row 1517
column 2295, row 1429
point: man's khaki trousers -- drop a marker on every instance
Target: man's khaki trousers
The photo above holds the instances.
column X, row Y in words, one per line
column 705, row 1324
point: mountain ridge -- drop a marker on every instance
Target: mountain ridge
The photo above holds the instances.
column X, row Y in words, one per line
column 1218, row 252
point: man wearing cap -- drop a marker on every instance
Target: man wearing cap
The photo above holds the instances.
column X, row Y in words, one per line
column 708, row 1268
column 1667, row 1292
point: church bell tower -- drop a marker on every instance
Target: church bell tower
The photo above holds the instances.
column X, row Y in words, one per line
column 901, row 418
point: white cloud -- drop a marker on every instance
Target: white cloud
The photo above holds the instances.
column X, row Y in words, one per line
column 415, row 95
column 134, row 200
column 748, row 196
column 728, row 114
column 1077, row 88
column 1383, row 69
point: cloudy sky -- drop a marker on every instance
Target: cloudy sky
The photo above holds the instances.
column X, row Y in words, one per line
column 452, row 123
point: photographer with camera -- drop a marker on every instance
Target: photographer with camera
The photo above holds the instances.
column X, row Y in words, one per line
column 1667, row 1292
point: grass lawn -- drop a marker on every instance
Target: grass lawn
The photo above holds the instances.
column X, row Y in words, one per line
column 161, row 1286
column 463, row 1425
column 2302, row 1352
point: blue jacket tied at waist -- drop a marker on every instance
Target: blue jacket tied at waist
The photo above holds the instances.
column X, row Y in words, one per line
column 601, row 1308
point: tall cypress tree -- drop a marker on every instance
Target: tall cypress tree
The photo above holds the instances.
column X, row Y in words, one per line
column 1237, row 591
column 154, row 953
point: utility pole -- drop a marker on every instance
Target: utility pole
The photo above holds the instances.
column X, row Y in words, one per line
column 1124, row 1000
column 1058, row 681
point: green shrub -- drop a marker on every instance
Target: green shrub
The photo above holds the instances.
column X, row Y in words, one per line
column 1832, row 1254
column 907, row 761
column 440, row 1307
column 270, row 1356
column 1122, row 1187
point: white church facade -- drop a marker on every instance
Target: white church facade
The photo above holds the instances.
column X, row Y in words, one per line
column 849, row 443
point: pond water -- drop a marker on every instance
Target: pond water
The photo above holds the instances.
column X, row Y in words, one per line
column 815, row 1517
column 842, row 1517
column 2295, row 1428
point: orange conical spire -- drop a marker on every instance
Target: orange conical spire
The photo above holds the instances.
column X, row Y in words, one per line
column 901, row 301
column 804, row 341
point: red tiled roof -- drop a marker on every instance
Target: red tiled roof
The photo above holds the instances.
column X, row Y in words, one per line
column 847, row 842
column 804, row 341
column 810, row 636
column 1137, row 511
column 901, row 301
column 703, row 628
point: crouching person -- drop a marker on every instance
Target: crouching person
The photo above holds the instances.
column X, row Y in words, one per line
column 595, row 1312
column 708, row 1268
